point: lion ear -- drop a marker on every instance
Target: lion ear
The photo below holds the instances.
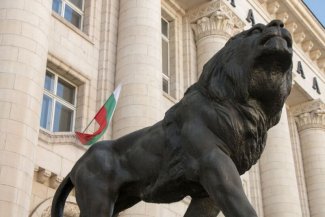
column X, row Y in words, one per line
column 219, row 86
column 228, row 82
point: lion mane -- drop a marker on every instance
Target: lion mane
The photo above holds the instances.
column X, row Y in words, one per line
column 243, row 120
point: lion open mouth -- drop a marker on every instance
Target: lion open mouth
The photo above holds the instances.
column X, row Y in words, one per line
column 276, row 40
column 276, row 51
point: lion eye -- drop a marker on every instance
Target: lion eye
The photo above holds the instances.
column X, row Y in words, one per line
column 256, row 30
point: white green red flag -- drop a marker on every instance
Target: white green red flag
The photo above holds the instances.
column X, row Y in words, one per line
column 103, row 118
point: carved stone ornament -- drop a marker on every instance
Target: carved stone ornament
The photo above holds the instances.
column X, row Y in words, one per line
column 315, row 54
column 321, row 63
column 215, row 17
column 70, row 210
column 299, row 37
column 43, row 175
column 273, row 7
column 310, row 115
column 291, row 27
column 307, row 45
column 284, row 17
column 219, row 23
column 315, row 119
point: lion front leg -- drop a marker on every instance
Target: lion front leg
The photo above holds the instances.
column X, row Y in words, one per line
column 221, row 180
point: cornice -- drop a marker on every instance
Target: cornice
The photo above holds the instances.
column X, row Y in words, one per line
column 215, row 17
column 307, row 33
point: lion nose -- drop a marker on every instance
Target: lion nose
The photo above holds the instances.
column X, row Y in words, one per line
column 276, row 23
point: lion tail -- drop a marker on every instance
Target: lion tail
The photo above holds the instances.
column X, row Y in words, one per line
column 60, row 197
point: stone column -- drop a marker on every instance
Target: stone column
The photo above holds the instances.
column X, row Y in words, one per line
column 311, row 127
column 213, row 24
column 211, row 34
column 139, row 70
column 23, row 52
column 139, row 66
column 279, row 183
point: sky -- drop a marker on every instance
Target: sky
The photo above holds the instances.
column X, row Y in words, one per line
column 318, row 8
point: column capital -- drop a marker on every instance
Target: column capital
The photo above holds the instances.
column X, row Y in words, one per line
column 215, row 18
column 310, row 115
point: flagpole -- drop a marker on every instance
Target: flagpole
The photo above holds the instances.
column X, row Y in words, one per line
column 93, row 118
column 89, row 125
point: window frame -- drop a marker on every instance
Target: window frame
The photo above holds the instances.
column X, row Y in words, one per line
column 166, row 38
column 75, row 8
column 55, row 98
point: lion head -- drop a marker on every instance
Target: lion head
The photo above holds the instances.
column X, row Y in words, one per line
column 254, row 65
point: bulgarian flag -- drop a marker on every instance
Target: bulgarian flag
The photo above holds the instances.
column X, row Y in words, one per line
column 103, row 118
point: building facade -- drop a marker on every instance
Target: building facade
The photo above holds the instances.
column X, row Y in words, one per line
column 61, row 59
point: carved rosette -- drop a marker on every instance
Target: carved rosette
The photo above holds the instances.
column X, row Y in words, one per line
column 310, row 115
column 215, row 18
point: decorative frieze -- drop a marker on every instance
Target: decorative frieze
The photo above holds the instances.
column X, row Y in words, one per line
column 262, row 1
column 307, row 45
column 283, row 16
column 299, row 37
column 321, row 63
column 215, row 17
column 291, row 27
column 273, row 7
column 310, row 115
column 315, row 54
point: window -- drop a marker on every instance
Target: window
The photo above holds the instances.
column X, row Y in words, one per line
column 165, row 55
column 71, row 10
column 59, row 104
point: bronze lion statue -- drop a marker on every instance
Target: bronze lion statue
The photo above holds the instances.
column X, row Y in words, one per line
column 203, row 144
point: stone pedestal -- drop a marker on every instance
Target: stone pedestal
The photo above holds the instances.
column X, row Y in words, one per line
column 311, row 126
column 23, row 52
column 278, row 179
